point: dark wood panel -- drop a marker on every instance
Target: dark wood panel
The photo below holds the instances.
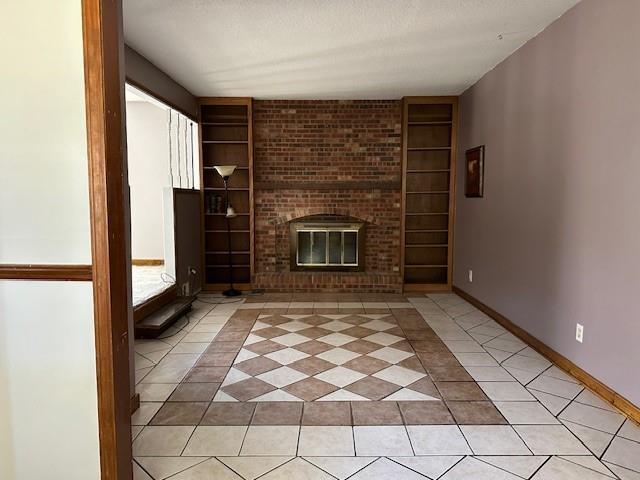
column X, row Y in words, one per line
column 430, row 112
column 423, row 255
column 427, row 203
column 108, row 198
column 425, row 275
column 426, row 182
column 427, row 222
column 225, row 132
column 225, row 154
column 429, row 136
column 239, row 179
column 420, row 160
column 81, row 273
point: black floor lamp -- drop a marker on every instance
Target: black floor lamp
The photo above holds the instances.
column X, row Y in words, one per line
column 225, row 172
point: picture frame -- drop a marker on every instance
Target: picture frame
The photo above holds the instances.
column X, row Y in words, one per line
column 474, row 178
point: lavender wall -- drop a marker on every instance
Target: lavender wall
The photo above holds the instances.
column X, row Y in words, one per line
column 556, row 238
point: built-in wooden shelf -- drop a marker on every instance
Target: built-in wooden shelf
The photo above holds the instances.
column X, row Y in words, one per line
column 428, row 180
column 226, row 138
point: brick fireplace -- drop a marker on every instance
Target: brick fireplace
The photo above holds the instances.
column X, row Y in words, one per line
column 327, row 158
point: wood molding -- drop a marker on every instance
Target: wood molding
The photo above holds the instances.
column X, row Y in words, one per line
column 104, row 98
column 73, row 273
column 561, row 361
column 147, row 262
column 154, row 303
column 329, row 185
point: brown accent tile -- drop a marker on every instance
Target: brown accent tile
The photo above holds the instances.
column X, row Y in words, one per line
column 231, row 336
column 449, row 374
column 311, row 365
column 278, row 311
column 277, row 413
column 396, row 331
column 313, row 347
column 425, row 413
column 257, row 365
column 366, row 365
column 220, row 359
column 326, row 413
column 180, row 413
column 376, row 413
column 412, row 323
column 247, row 389
column 206, row 375
column 194, row 392
column 325, row 311
column 217, row 346
column 310, row 389
column 314, row 332
column 246, row 314
column 425, row 386
column 476, row 413
column 412, row 363
column 465, row 391
column 402, row 345
column 362, row 346
column 355, row 320
column 264, row 347
column 270, row 332
column 372, row 388
column 421, row 334
column 229, row 413
column 350, row 310
column 376, row 310
column 438, row 359
column 275, row 320
column 315, row 320
column 299, row 311
column 429, row 346
column 358, row 332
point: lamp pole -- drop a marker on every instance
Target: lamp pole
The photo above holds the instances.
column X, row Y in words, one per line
column 231, row 292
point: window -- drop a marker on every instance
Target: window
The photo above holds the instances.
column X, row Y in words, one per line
column 326, row 246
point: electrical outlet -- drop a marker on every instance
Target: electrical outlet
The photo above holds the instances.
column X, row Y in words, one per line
column 579, row 332
column 470, row 276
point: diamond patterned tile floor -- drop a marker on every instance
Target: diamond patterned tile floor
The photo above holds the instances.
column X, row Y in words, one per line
column 332, row 386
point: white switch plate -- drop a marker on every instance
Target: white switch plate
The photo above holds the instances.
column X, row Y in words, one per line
column 579, row 332
column 470, row 276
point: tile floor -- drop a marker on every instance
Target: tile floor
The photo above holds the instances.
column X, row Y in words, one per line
column 364, row 387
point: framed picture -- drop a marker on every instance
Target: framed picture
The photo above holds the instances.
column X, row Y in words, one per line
column 474, row 184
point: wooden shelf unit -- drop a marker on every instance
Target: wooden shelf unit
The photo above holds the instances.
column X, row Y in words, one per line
column 226, row 138
column 428, row 191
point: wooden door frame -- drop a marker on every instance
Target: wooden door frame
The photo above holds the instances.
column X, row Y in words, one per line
column 106, row 142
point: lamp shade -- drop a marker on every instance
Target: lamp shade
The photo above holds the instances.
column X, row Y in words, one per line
column 231, row 213
column 225, row 170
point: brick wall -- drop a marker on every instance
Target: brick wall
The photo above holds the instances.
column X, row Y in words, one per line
column 327, row 157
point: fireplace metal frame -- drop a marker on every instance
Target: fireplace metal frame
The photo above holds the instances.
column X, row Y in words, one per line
column 295, row 227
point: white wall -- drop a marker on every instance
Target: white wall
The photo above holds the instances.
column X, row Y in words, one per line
column 148, row 159
column 48, row 397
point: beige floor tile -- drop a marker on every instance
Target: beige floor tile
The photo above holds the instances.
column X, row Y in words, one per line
column 162, row 467
column 251, row 468
column 384, row 468
column 209, row 470
column 558, row 468
column 155, row 392
column 145, row 413
column 625, row 453
column 473, row 469
column 523, row 466
column 438, row 440
column 526, row 413
column 550, row 440
column 593, row 417
column 161, row 441
column 297, row 468
column 271, row 440
column 326, row 441
column 494, row 440
column 381, row 441
column 432, row 467
column 506, row 391
column 215, row 441
column 341, row 467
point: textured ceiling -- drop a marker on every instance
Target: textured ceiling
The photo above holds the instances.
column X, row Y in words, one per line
column 332, row 48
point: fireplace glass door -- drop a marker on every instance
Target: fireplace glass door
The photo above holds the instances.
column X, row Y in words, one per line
column 326, row 246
